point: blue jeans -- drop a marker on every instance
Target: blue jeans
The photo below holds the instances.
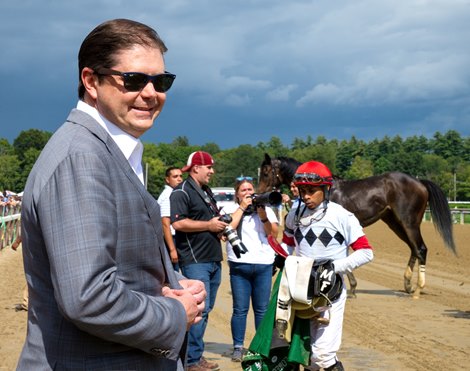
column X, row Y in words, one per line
column 248, row 281
column 210, row 274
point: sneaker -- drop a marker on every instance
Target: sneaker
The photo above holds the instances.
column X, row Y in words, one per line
column 209, row 365
column 197, row 367
column 237, row 354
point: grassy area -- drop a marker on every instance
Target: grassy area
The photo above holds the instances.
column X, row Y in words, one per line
column 459, row 206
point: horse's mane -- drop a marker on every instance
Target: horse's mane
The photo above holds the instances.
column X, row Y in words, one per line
column 288, row 166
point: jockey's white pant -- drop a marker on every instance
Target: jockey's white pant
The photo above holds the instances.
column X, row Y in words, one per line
column 326, row 340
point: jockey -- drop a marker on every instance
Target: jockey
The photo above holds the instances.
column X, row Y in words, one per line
column 323, row 230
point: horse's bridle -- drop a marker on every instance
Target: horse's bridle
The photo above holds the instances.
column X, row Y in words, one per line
column 275, row 175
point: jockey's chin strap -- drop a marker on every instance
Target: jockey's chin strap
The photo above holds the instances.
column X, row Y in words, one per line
column 299, row 214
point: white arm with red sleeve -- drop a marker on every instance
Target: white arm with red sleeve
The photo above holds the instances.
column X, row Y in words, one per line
column 288, row 234
column 362, row 254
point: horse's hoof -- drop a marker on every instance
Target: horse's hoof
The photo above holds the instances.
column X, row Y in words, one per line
column 352, row 295
column 417, row 293
column 408, row 288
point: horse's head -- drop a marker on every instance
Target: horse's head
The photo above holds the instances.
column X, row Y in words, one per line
column 267, row 177
column 276, row 171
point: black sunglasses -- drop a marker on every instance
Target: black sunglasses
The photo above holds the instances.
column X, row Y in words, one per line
column 136, row 81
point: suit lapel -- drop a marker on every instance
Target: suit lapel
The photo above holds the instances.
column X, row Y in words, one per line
column 81, row 118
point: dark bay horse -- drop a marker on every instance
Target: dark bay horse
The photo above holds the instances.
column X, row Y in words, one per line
column 396, row 198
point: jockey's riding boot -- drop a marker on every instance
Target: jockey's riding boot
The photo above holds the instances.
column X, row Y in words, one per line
column 338, row 366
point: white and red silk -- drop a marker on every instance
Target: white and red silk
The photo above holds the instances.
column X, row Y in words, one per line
column 361, row 255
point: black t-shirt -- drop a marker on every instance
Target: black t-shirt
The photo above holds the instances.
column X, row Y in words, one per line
column 188, row 200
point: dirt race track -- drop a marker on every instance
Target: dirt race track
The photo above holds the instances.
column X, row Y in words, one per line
column 384, row 329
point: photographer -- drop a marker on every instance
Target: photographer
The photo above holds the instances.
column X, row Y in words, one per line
column 251, row 272
column 195, row 218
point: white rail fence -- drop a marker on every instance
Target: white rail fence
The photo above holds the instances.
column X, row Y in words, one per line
column 10, row 225
column 458, row 215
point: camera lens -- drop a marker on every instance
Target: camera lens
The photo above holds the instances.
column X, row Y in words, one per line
column 237, row 244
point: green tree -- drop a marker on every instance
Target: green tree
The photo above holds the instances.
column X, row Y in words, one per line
column 360, row 168
column 169, row 154
column 320, row 151
column 407, row 162
column 181, row 141
column 382, row 165
column 10, row 173
column 466, row 149
column 372, row 150
column 211, row 148
column 155, row 176
column 32, row 138
column 437, row 170
column 157, row 158
column 274, row 147
column 243, row 160
column 5, row 147
column 347, row 151
column 463, row 182
column 30, row 156
column 299, row 143
column 417, row 144
column 448, row 145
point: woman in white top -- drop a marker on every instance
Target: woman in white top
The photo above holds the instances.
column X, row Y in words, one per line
column 251, row 272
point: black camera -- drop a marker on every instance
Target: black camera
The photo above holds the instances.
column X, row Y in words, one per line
column 268, row 198
column 232, row 237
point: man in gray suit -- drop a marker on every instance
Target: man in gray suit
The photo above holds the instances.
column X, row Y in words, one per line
column 102, row 291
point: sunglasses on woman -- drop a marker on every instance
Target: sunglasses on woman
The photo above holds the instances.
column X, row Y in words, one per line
column 136, row 81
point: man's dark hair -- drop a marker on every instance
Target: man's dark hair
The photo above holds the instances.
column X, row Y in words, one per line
column 170, row 169
column 100, row 47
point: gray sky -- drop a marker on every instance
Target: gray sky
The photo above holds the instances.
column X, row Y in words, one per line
column 250, row 70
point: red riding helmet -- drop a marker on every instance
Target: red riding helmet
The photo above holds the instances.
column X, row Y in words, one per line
column 313, row 173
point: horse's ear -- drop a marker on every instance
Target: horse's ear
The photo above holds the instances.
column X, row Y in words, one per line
column 267, row 159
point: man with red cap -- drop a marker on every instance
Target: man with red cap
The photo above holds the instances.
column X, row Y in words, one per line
column 195, row 218
column 324, row 230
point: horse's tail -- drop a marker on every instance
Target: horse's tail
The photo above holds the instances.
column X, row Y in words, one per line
column 440, row 213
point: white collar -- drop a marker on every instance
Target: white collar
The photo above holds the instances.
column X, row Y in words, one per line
column 130, row 146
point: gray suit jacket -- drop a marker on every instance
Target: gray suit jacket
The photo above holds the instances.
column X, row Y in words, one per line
column 95, row 261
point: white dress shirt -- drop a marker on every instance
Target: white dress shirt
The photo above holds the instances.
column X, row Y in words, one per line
column 131, row 147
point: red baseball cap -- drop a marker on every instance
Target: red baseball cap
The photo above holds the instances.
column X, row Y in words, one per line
column 198, row 158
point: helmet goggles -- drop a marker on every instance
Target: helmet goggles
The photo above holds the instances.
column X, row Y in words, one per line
column 311, row 179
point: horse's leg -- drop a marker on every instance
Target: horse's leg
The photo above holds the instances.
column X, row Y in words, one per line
column 409, row 274
column 352, row 285
column 412, row 236
column 423, row 251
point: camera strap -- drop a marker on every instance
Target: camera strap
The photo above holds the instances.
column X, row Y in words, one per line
column 212, row 201
column 206, row 194
column 239, row 226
